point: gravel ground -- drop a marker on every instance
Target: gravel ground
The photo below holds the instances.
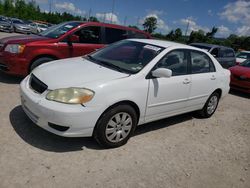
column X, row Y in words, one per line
column 176, row 152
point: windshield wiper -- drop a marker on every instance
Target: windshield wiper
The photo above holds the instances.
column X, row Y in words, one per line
column 107, row 64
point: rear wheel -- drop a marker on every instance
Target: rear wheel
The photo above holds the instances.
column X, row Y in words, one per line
column 40, row 61
column 210, row 106
column 116, row 126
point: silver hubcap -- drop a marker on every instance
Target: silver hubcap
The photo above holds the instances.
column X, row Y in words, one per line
column 212, row 104
column 118, row 127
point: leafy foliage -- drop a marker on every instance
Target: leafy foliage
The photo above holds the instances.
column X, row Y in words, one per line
column 150, row 24
column 29, row 10
column 233, row 41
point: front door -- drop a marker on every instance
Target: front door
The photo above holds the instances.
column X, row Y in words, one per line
column 90, row 39
column 168, row 96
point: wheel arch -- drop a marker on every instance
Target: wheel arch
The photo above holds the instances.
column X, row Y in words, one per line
column 41, row 56
column 127, row 102
column 219, row 91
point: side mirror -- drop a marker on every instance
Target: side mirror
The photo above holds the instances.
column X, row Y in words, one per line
column 73, row 39
column 162, row 73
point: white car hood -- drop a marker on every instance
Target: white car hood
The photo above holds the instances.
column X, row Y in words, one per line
column 74, row 72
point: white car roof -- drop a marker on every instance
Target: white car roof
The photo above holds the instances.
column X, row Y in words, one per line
column 162, row 43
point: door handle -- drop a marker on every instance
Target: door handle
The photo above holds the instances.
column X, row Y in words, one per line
column 186, row 81
column 213, row 78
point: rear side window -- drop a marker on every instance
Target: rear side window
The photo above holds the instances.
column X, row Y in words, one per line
column 201, row 63
column 227, row 53
column 113, row 35
column 89, row 35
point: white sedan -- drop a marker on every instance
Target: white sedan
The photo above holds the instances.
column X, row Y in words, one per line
column 108, row 93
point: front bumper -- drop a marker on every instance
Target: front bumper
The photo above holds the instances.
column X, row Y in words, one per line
column 4, row 28
column 80, row 120
column 13, row 64
column 241, row 85
column 22, row 30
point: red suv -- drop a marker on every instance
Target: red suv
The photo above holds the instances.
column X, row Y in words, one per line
column 21, row 54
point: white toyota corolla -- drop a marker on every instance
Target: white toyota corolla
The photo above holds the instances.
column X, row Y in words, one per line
column 109, row 92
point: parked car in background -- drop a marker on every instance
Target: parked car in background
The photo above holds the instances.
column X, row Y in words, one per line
column 225, row 55
column 240, row 76
column 242, row 56
column 21, row 54
column 20, row 26
column 37, row 27
column 6, row 24
column 129, row 83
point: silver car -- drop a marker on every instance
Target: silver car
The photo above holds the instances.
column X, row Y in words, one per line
column 37, row 27
column 20, row 26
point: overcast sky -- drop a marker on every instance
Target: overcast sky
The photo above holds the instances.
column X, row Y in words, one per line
column 229, row 16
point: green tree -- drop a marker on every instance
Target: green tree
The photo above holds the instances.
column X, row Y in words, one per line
column 150, row 24
column 133, row 26
column 197, row 36
column 93, row 19
column 212, row 33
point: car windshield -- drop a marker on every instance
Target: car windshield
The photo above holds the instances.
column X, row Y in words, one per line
column 2, row 19
column 17, row 22
column 126, row 56
column 43, row 26
column 243, row 55
column 58, row 30
column 246, row 63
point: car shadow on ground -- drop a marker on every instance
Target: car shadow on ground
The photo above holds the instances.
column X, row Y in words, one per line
column 239, row 94
column 9, row 79
column 39, row 138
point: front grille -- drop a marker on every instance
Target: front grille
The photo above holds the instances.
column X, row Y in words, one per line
column 3, row 67
column 58, row 127
column 239, row 87
column 241, row 78
column 37, row 85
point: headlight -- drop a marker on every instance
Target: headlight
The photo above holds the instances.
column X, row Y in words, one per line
column 71, row 95
column 15, row 48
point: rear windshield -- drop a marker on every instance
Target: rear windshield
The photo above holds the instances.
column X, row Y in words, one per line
column 57, row 31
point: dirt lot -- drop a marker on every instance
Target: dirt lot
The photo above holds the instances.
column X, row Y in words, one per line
column 177, row 152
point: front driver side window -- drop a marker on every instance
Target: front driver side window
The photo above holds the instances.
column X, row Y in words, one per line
column 176, row 61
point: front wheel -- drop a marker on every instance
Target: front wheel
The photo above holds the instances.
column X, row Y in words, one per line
column 40, row 61
column 210, row 106
column 116, row 126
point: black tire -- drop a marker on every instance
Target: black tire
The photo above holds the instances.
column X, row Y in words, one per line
column 40, row 61
column 205, row 112
column 103, row 124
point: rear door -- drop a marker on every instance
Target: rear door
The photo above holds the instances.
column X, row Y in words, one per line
column 203, row 76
